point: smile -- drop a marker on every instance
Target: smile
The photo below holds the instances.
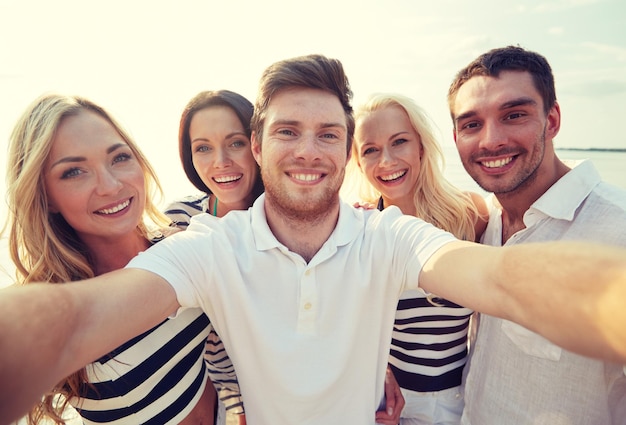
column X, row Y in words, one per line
column 393, row 176
column 497, row 163
column 227, row 179
column 117, row 208
column 306, row 177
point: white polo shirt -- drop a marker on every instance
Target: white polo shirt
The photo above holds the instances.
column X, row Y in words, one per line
column 310, row 342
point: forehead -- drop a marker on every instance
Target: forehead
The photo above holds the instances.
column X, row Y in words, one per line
column 85, row 128
column 214, row 117
column 381, row 122
column 483, row 92
column 305, row 106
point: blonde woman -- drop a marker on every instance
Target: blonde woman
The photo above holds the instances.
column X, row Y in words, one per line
column 79, row 194
column 396, row 160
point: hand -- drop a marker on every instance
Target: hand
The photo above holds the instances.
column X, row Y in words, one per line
column 364, row 205
column 394, row 401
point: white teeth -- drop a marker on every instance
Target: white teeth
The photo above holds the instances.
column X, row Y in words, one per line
column 227, row 179
column 393, row 176
column 497, row 163
column 116, row 208
column 306, row 177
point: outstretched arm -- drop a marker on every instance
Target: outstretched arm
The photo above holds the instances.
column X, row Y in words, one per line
column 570, row 292
column 48, row 331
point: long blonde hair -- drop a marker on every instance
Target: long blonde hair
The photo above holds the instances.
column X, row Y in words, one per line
column 42, row 245
column 436, row 200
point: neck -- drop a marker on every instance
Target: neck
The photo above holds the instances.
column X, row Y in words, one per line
column 517, row 202
column 302, row 235
column 113, row 254
column 406, row 204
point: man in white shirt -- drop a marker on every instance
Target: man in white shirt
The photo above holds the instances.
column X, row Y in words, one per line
column 505, row 115
column 302, row 288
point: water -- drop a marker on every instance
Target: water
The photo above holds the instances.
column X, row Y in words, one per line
column 611, row 166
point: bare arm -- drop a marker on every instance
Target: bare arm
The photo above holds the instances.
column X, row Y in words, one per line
column 49, row 331
column 571, row 293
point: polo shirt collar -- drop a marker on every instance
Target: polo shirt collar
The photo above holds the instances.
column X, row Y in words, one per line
column 348, row 226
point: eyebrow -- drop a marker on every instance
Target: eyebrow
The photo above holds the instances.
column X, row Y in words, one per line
column 228, row 136
column 294, row 122
column 68, row 159
column 522, row 101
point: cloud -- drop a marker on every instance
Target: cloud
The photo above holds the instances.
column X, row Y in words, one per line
column 595, row 89
column 611, row 51
column 560, row 5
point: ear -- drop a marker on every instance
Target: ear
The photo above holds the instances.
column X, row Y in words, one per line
column 255, row 145
column 553, row 121
column 454, row 134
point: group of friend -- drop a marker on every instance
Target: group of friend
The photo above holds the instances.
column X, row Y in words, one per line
column 295, row 307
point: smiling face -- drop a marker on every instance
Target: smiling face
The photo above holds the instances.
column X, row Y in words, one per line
column 221, row 155
column 303, row 153
column 389, row 153
column 501, row 132
column 93, row 179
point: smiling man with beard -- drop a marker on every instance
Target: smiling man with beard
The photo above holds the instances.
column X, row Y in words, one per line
column 505, row 115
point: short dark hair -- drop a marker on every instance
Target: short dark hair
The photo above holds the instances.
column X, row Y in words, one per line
column 311, row 71
column 510, row 58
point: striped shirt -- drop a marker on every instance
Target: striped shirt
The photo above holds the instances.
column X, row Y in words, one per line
column 147, row 381
column 220, row 367
column 429, row 342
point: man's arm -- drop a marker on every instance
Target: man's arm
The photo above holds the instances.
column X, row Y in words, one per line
column 48, row 331
column 571, row 293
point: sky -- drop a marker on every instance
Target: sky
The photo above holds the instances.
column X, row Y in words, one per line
column 143, row 60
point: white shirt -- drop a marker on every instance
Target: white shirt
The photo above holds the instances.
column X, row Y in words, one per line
column 310, row 342
column 518, row 377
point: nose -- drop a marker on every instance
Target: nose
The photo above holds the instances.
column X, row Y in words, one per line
column 108, row 183
column 222, row 159
column 493, row 136
column 307, row 147
column 387, row 158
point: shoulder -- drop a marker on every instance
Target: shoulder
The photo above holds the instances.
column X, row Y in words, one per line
column 189, row 203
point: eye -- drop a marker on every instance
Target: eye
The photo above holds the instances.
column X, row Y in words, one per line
column 71, row 172
column 400, row 141
column 286, row 132
column 369, row 151
column 472, row 125
column 239, row 144
column 202, row 148
column 514, row 115
column 122, row 157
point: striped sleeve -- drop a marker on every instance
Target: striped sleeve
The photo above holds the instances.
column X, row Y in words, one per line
column 181, row 211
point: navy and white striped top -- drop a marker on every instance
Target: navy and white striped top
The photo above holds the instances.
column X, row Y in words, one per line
column 429, row 341
column 221, row 370
column 146, row 381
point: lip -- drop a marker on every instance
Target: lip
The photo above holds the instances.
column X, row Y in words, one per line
column 115, row 209
column 227, row 179
column 497, row 165
column 307, row 177
column 393, row 178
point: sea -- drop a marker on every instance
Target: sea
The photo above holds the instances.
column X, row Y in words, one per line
column 611, row 164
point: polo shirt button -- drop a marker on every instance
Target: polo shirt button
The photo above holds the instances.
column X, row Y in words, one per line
column 308, row 306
